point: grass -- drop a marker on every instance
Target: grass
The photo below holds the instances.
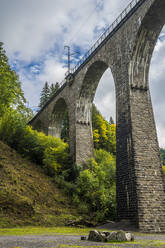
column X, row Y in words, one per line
column 80, row 231
column 44, row 231
column 28, row 197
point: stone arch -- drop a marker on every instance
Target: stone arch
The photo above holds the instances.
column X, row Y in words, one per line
column 145, row 42
column 84, row 136
column 88, row 89
column 58, row 114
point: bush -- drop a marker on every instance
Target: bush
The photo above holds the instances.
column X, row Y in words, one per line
column 50, row 152
column 12, row 127
column 96, row 186
column 56, row 157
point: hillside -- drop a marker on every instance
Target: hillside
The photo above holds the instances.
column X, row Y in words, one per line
column 28, row 196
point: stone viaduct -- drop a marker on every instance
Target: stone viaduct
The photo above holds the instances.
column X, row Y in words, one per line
column 126, row 48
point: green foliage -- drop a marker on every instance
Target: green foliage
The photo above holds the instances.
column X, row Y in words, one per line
column 163, row 167
column 51, row 152
column 104, row 134
column 54, row 88
column 96, row 186
column 40, row 230
column 11, row 94
column 111, row 121
column 65, row 128
column 162, row 155
column 47, row 92
column 12, row 126
column 56, row 158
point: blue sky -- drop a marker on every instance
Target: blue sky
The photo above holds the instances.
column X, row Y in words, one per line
column 35, row 32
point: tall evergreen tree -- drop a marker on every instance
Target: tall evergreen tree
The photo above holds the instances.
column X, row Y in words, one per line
column 45, row 95
column 47, row 92
column 54, row 88
column 111, row 121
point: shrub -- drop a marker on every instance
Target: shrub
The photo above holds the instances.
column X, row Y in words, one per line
column 12, row 127
column 56, row 157
column 50, row 152
column 96, row 185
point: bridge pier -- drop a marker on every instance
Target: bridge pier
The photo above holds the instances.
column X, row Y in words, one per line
column 140, row 183
column 84, row 143
column 81, row 136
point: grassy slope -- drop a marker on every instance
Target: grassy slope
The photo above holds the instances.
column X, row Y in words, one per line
column 27, row 196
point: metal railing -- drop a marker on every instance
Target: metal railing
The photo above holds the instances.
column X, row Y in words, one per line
column 110, row 30
column 103, row 37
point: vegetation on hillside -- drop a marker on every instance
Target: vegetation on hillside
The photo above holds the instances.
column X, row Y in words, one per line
column 47, row 151
column 91, row 189
column 28, row 196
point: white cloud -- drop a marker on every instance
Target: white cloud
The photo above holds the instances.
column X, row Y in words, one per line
column 53, row 71
column 35, row 31
column 105, row 96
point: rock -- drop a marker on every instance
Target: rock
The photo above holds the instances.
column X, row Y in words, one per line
column 129, row 236
column 121, row 236
column 97, row 236
column 106, row 233
column 108, row 237
column 83, row 238
column 112, row 236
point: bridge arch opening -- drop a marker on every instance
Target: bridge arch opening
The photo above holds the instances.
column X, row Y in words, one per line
column 95, row 86
column 104, row 98
column 59, row 124
column 97, row 82
column 104, row 125
column 157, row 86
column 98, row 88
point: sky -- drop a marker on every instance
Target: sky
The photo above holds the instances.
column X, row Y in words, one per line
column 34, row 33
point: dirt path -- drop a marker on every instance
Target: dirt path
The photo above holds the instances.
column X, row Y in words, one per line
column 66, row 241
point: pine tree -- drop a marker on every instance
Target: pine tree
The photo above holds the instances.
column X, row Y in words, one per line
column 45, row 95
column 54, row 88
column 111, row 121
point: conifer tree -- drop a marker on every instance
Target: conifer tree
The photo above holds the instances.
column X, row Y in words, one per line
column 45, row 95
column 47, row 92
column 54, row 88
column 111, row 121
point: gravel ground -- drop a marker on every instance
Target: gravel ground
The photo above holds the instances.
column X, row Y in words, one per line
column 52, row 241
